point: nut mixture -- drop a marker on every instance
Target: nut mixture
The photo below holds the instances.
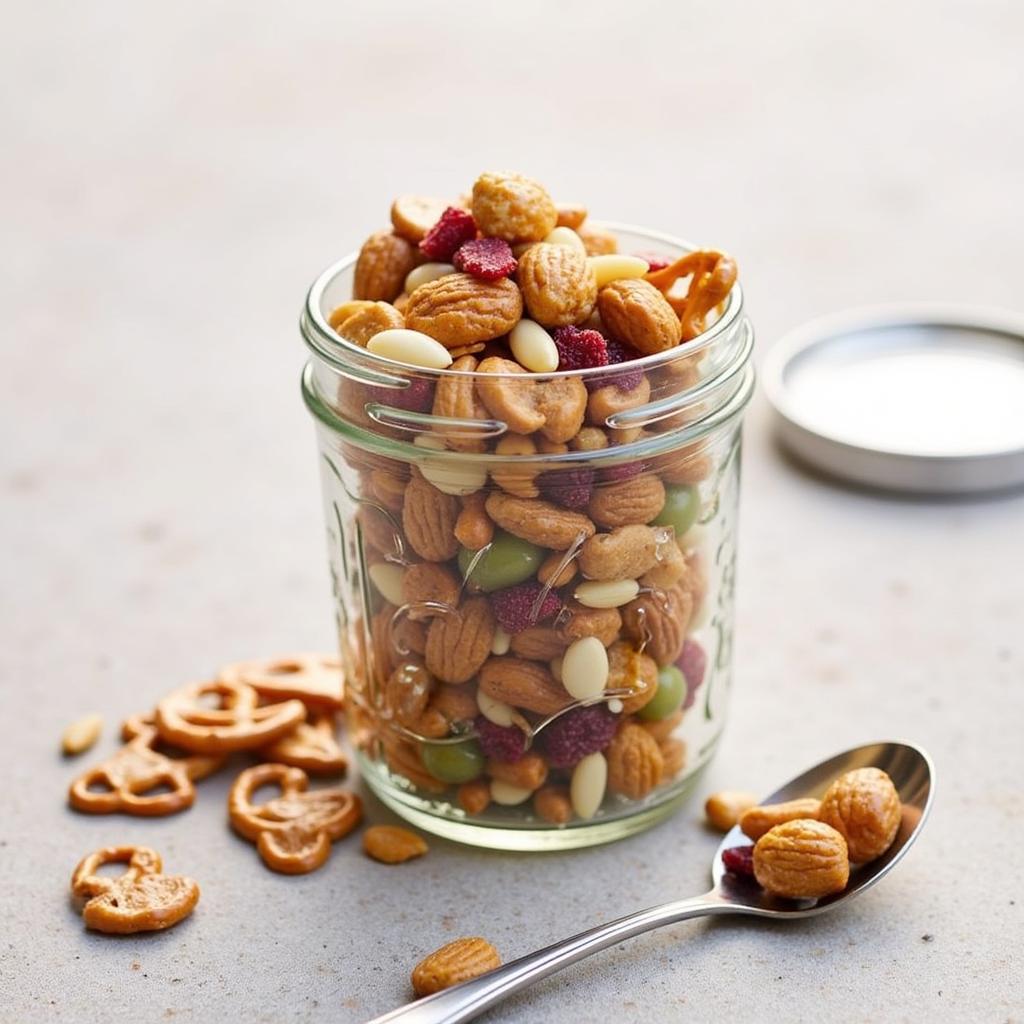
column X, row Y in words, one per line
column 530, row 644
column 805, row 849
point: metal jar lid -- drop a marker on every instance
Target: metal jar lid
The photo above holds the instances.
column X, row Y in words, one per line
column 922, row 399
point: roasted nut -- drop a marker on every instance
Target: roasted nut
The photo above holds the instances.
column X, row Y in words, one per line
column 637, row 313
column 529, row 772
column 341, row 313
column 474, row 797
column 552, row 804
column 563, row 403
column 673, row 756
column 510, row 477
column 554, row 573
column 413, row 216
column 361, row 326
column 630, row 669
column 590, row 439
column 512, row 207
column 597, row 241
column 523, row 684
column 383, row 262
column 456, row 398
column 663, row 729
column 638, row 500
column 864, row 807
column 455, row 703
column 390, row 844
column 407, row 692
column 756, row 821
column 474, row 529
column 802, row 859
column 659, row 621
column 723, row 809
column 429, row 581
column 625, row 553
column 571, row 215
column 525, row 404
column 539, row 643
column 387, row 488
column 460, row 309
column 610, row 400
column 558, row 285
column 539, row 522
column 581, row 621
column 459, row 642
column 635, row 763
column 81, row 735
column 669, row 568
column 458, row 961
column 428, row 518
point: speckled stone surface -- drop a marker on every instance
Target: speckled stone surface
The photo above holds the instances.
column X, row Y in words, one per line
column 175, row 177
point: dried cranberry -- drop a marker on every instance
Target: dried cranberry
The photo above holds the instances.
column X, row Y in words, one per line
column 739, row 860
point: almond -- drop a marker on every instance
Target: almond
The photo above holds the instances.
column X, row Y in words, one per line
column 459, row 642
column 625, row 553
column 360, row 327
column 383, row 262
column 638, row 500
column 513, row 207
column 455, row 397
column 558, row 285
column 523, row 684
column 428, row 518
column 539, row 522
column 390, row 844
column 635, row 763
column 539, row 643
column 458, row 961
column 459, row 309
column 429, row 581
column 659, row 621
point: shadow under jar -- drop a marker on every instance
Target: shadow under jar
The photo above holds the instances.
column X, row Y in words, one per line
column 536, row 629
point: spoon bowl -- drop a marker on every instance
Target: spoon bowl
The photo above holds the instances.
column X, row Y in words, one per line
column 910, row 769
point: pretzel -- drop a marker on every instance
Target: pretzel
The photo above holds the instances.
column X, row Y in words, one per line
column 311, row 746
column 294, row 831
column 140, row 900
column 713, row 275
column 315, row 679
column 238, row 724
column 136, row 768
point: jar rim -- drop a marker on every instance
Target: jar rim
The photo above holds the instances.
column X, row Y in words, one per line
column 326, row 344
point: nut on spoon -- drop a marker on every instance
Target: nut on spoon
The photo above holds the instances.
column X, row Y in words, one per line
column 908, row 766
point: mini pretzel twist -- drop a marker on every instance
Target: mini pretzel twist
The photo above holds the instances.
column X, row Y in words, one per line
column 712, row 275
column 124, row 782
column 238, row 724
column 140, row 900
column 311, row 746
column 294, row 831
column 315, row 679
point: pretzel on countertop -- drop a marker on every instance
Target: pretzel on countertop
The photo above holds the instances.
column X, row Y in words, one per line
column 140, row 900
column 294, row 831
column 713, row 275
column 315, row 679
column 124, row 781
column 239, row 723
column 311, row 746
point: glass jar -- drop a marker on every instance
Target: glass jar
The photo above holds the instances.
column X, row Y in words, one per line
column 536, row 629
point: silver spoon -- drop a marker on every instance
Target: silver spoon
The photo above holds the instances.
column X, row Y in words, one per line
column 908, row 766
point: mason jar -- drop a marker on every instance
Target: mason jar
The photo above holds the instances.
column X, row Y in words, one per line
column 535, row 624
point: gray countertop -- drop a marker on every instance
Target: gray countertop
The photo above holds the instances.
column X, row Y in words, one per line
column 174, row 179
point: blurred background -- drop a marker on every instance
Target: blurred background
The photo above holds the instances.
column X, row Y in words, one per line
column 174, row 177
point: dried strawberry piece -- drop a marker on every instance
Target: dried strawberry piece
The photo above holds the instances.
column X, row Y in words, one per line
column 568, row 487
column 739, row 860
column 693, row 664
column 453, row 229
column 577, row 733
column 417, row 397
column 619, row 352
column 486, row 258
column 580, row 349
column 623, row 471
column 513, row 606
column 655, row 261
column 499, row 742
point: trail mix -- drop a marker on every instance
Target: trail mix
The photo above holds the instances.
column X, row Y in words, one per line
column 804, row 849
column 530, row 634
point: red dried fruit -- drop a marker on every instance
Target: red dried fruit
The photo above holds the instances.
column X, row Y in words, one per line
column 453, row 229
column 618, row 352
column 580, row 349
column 499, row 742
column 417, row 397
column 570, row 488
column 514, row 606
column 739, row 860
column 577, row 733
column 486, row 258
column 693, row 664
column 655, row 261
column 623, row 471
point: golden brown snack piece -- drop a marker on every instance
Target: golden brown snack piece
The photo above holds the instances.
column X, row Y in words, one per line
column 473, row 528
column 428, row 518
column 474, row 797
column 864, row 807
column 659, row 621
column 637, row 500
column 361, row 326
column 539, row 522
column 713, row 275
column 558, row 285
column 341, row 313
column 315, row 679
column 756, row 821
column 626, row 552
column 597, row 240
column 456, row 398
column 630, row 669
column 529, row 772
column 459, row 642
column 802, row 859
column 513, row 207
column 635, row 762
column 311, row 746
column 523, row 684
column 80, row 735
column 723, row 809
column 432, row 582
column 390, row 844
column 182, row 718
column 140, row 900
column 457, row 961
column 673, row 757
column 552, row 804
column 634, row 311
column 139, row 779
column 459, row 310
column 413, row 216
column 384, row 262
column 294, row 831
column 571, row 215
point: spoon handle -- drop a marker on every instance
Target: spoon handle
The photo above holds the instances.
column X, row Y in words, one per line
column 465, row 1001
